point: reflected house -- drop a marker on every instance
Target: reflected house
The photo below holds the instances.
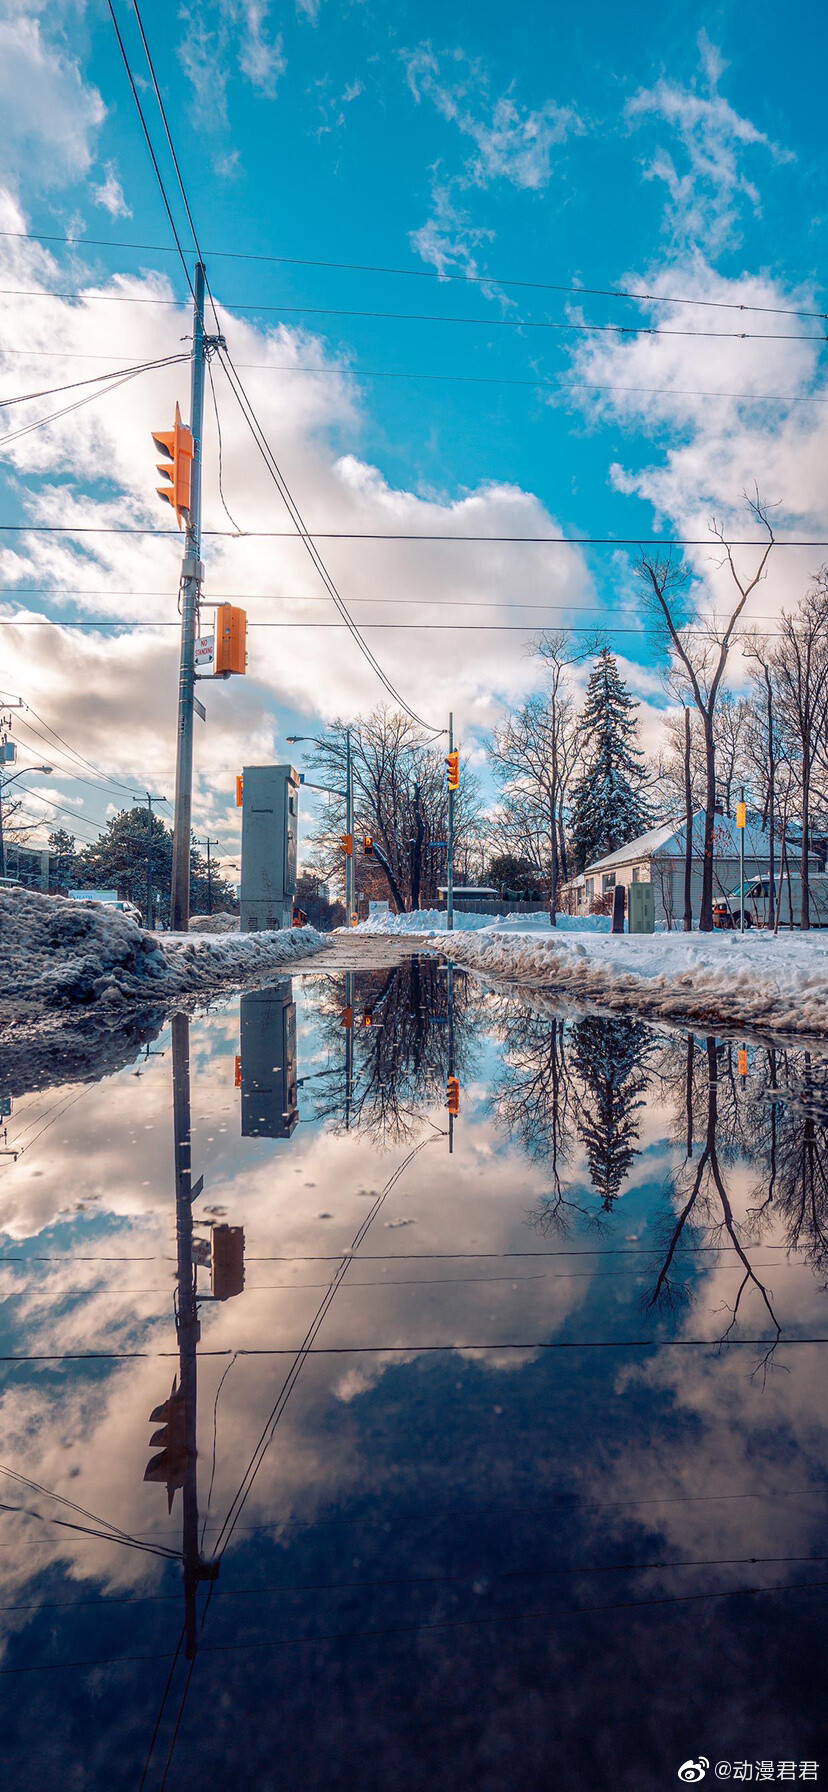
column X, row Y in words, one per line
column 269, row 1094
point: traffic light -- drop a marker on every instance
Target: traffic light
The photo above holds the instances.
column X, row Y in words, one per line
column 239, row 790
column 170, row 1465
column 226, row 1261
column 176, row 445
column 368, row 845
column 238, row 1070
column 453, row 763
column 453, row 1096
column 743, row 1060
column 347, row 1017
column 346, row 841
column 231, row 640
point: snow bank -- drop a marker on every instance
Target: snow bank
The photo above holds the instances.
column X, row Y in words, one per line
column 56, row 954
column 432, row 920
column 223, row 923
column 750, row 980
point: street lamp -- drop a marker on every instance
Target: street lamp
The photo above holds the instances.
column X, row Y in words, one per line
column 3, row 783
column 293, row 740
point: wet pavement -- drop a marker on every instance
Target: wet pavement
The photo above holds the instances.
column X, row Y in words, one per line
column 498, row 1460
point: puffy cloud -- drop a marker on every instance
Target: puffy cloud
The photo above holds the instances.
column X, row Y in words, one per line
column 112, row 695
column 50, row 114
column 110, row 195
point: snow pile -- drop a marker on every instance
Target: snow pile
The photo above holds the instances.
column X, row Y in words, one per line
column 750, row 980
column 432, row 920
column 57, row 954
column 223, row 923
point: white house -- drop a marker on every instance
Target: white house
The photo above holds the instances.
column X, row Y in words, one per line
column 657, row 857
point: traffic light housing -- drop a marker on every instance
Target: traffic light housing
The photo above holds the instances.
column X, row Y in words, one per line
column 453, row 1096
column 453, row 763
column 176, row 445
column 239, row 790
column 170, row 1465
column 368, row 845
column 226, row 1261
column 231, row 640
column 346, row 841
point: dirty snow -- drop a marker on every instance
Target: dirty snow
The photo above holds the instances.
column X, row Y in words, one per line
column 220, row 923
column 750, row 980
column 58, row 954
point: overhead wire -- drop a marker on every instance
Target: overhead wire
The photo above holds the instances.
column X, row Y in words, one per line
column 443, row 276
column 560, row 541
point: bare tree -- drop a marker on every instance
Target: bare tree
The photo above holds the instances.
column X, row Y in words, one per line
column 701, row 657
column 400, row 799
column 533, row 755
column 799, row 668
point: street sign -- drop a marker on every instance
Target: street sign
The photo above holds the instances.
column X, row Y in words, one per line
column 8, row 752
column 204, row 650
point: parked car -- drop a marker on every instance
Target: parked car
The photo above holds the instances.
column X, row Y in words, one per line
column 754, row 897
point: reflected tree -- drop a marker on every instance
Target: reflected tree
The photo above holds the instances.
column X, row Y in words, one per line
column 607, row 1056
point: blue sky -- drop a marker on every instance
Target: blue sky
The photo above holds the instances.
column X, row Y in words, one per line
column 684, row 157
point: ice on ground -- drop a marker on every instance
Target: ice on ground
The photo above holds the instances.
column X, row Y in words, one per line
column 59, row 954
column 750, row 980
column 221, row 923
column 428, row 920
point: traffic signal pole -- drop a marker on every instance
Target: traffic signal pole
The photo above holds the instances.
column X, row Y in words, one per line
column 192, row 573
column 349, row 829
column 450, row 871
column 187, row 1325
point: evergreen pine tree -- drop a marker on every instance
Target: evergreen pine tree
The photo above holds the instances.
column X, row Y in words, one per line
column 607, row 1053
column 608, row 808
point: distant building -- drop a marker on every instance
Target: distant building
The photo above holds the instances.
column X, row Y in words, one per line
column 29, row 865
column 657, row 857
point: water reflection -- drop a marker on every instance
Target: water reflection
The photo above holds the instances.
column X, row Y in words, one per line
column 478, row 1440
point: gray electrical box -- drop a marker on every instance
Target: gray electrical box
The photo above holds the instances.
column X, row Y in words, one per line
column 269, row 1096
column 641, row 909
column 270, row 819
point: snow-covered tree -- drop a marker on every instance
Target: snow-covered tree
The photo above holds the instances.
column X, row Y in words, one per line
column 607, row 802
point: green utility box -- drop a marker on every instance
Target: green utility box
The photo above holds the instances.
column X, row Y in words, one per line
column 641, row 908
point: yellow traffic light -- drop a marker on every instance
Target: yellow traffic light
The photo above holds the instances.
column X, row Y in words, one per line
column 453, row 763
column 170, row 1465
column 453, row 1095
column 346, row 841
column 743, row 1061
column 239, row 790
column 368, row 845
column 176, row 445
column 226, row 1261
column 231, row 640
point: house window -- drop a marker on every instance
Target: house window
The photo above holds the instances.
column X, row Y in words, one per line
column 608, row 881
column 590, row 888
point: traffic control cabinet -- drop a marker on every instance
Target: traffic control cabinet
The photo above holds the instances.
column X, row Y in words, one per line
column 231, row 640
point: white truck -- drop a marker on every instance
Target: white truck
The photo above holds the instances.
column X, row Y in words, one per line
column 754, row 897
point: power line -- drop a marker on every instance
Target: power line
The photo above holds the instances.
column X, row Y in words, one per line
column 81, row 757
column 92, row 379
column 414, row 1348
column 145, row 129
column 466, row 279
column 561, row 541
column 452, row 628
column 470, row 379
column 422, row 317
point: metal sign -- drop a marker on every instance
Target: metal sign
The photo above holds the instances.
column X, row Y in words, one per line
column 204, row 650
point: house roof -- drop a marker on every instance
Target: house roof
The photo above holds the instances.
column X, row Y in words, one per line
column 667, row 841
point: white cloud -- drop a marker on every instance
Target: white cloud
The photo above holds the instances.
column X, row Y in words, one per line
column 239, row 36
column 113, row 697
column 511, row 141
column 709, row 187
column 111, row 196
column 50, row 114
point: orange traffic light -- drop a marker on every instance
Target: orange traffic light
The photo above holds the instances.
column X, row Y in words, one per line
column 346, row 841
column 453, row 763
column 453, row 1095
column 239, row 790
column 237, row 1070
column 231, row 640
column 226, row 1261
column 368, row 845
column 743, row 1061
column 347, row 1017
column 170, row 1465
column 176, row 445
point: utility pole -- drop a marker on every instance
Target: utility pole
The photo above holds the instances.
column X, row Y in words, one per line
column 349, row 829
column 451, row 1070
column 192, row 573
column 208, row 843
column 149, row 910
column 742, row 820
column 450, row 874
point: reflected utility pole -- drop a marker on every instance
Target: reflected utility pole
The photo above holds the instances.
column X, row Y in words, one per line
column 349, row 1047
column 451, row 1105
